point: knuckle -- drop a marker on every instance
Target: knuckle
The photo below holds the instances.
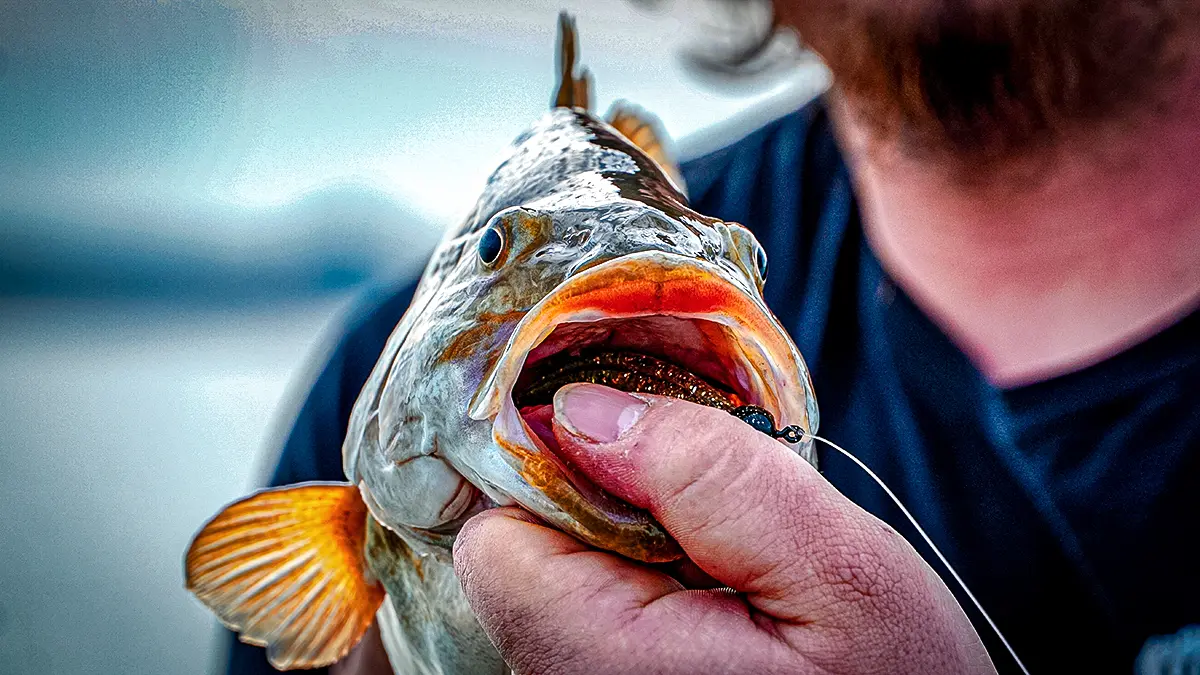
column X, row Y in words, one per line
column 856, row 574
column 531, row 641
column 482, row 550
column 535, row 653
column 860, row 565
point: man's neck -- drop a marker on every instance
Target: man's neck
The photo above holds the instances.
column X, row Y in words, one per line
column 1036, row 281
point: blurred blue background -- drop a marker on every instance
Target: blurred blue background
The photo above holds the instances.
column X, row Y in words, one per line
column 190, row 193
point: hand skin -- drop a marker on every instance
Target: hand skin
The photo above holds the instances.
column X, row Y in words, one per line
column 820, row 586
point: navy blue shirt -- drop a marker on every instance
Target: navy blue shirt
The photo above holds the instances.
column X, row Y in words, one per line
column 1071, row 506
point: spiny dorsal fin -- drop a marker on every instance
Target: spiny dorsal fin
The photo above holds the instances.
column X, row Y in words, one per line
column 285, row 569
column 645, row 131
column 573, row 92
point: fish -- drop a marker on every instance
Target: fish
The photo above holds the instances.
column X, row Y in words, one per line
column 581, row 261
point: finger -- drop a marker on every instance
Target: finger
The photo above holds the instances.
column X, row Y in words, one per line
column 552, row 604
column 515, row 571
column 744, row 507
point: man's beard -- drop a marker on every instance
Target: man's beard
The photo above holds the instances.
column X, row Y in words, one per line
column 988, row 80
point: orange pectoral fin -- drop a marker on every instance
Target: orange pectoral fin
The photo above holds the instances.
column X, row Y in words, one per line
column 285, row 568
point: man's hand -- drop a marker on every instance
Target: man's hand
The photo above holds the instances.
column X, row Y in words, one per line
column 821, row 585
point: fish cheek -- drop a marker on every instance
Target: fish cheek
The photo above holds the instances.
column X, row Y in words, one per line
column 489, row 331
column 422, row 492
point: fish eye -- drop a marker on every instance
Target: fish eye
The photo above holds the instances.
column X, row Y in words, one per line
column 491, row 245
column 760, row 261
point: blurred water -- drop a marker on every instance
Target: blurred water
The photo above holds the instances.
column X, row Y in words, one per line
column 235, row 146
column 125, row 426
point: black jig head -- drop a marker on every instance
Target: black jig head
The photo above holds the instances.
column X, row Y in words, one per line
column 763, row 421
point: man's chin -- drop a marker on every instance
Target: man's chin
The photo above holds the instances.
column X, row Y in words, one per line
column 991, row 79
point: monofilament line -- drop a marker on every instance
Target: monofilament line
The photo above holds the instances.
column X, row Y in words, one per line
column 936, row 550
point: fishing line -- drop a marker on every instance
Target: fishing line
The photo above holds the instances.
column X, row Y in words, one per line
column 763, row 421
column 961, row 584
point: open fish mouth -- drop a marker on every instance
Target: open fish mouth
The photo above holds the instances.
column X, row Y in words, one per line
column 605, row 357
column 650, row 322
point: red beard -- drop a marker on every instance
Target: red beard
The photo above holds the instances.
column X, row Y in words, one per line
column 988, row 79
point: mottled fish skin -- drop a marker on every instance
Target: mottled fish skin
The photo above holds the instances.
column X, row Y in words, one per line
column 426, row 625
column 573, row 195
column 581, row 259
column 434, row 437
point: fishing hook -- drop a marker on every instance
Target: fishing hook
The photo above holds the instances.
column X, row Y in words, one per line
column 762, row 420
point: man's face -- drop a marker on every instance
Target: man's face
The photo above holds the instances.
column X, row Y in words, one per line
column 990, row 79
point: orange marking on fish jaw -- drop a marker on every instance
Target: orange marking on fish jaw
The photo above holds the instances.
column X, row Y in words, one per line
column 467, row 343
column 285, row 568
column 640, row 537
column 537, row 229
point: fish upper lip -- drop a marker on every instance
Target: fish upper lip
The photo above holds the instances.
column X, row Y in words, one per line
column 698, row 291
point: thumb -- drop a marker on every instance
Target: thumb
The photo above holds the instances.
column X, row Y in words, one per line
column 745, row 508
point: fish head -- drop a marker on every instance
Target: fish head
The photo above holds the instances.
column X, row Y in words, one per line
column 580, row 247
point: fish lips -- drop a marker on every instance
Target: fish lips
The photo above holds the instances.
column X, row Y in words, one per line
column 765, row 365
